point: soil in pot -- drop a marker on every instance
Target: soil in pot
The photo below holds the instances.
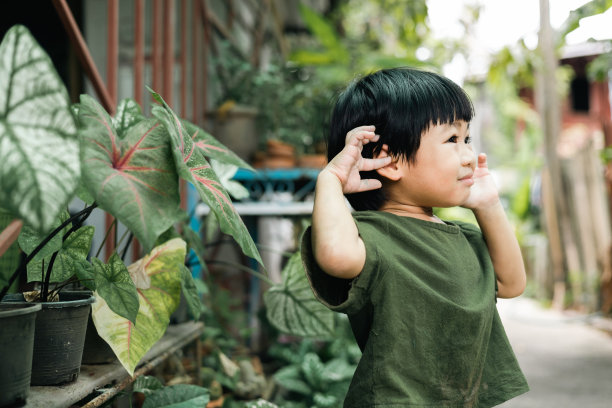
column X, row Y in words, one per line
column 59, row 338
column 16, row 345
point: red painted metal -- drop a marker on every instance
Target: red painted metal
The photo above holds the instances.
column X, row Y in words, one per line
column 168, row 53
column 112, row 66
column 183, row 25
column 139, row 63
column 195, row 58
column 156, row 46
column 139, row 44
column 76, row 38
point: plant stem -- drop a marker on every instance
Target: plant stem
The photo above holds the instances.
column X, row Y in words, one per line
column 127, row 245
column 108, row 231
column 44, row 292
column 243, row 268
column 24, row 261
column 75, row 226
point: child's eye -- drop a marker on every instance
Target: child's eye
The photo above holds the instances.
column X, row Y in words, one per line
column 453, row 139
column 468, row 140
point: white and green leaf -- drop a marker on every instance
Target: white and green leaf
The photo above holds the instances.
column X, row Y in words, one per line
column 39, row 149
column 157, row 277
column 292, row 308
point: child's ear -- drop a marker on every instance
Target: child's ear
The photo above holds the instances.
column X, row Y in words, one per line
column 391, row 171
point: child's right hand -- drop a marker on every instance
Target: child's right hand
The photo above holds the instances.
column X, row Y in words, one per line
column 348, row 163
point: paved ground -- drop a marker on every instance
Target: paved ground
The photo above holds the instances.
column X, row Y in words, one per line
column 567, row 361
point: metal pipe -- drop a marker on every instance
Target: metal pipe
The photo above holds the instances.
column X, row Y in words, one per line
column 156, row 46
column 77, row 41
column 168, row 53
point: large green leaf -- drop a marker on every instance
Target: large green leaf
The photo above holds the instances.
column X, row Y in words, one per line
column 70, row 257
column 39, row 150
column 114, row 284
column 178, row 396
column 193, row 167
column 132, row 177
column 588, row 9
column 157, row 277
column 211, row 147
column 292, row 308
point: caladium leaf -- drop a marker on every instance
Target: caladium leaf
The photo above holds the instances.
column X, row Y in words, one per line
column 226, row 172
column 211, row 147
column 178, row 396
column 29, row 238
column 147, row 384
column 190, row 293
column 115, row 286
column 133, row 178
column 292, row 307
column 193, row 167
column 69, row 258
column 128, row 114
column 39, row 149
column 131, row 341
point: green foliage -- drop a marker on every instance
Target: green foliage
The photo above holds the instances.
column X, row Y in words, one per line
column 375, row 35
column 129, row 165
column 316, row 374
column 590, row 8
column 178, row 396
column 599, row 68
column 114, row 284
column 292, row 307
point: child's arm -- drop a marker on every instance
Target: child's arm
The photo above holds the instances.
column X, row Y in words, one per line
column 337, row 247
column 501, row 241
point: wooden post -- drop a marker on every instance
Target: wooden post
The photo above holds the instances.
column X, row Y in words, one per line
column 548, row 106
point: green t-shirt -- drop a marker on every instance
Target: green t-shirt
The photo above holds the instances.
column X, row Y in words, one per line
column 423, row 313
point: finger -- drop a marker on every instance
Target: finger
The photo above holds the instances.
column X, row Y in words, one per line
column 373, row 164
column 482, row 160
column 369, row 184
column 361, row 134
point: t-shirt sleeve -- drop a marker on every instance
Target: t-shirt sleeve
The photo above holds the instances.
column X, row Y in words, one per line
column 341, row 295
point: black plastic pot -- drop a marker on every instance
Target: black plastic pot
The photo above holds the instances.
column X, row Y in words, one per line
column 16, row 345
column 59, row 338
column 96, row 350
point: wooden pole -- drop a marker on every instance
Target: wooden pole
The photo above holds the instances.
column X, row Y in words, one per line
column 563, row 250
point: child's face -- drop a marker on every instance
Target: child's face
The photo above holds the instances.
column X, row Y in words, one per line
column 441, row 175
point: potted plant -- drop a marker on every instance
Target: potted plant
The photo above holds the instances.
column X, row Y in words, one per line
column 128, row 165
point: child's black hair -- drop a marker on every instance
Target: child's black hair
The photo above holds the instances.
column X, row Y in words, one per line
column 402, row 103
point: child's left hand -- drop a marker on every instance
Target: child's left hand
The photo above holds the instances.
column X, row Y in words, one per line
column 483, row 193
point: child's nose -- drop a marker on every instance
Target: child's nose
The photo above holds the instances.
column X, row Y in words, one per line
column 468, row 158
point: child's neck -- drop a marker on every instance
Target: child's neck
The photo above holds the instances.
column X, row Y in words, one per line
column 408, row 210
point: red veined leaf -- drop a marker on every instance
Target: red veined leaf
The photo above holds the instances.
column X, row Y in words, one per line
column 133, row 177
column 193, row 167
column 211, row 147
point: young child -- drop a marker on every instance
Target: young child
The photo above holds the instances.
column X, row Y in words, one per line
column 419, row 292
